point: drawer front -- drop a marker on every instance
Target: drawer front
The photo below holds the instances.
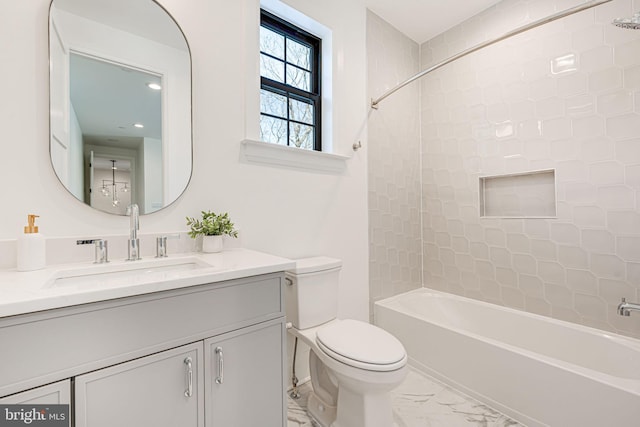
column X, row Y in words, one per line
column 57, row 394
column 46, row 347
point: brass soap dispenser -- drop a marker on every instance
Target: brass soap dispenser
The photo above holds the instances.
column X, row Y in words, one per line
column 31, row 251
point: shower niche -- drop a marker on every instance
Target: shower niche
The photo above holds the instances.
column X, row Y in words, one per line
column 522, row 195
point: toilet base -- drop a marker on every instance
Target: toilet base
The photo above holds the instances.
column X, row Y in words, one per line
column 368, row 410
column 325, row 416
column 320, row 412
column 353, row 409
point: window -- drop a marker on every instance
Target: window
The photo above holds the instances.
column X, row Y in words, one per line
column 290, row 84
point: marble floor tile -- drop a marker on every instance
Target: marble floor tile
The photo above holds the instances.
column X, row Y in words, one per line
column 297, row 408
column 420, row 402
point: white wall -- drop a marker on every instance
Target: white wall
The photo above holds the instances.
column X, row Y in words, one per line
column 287, row 212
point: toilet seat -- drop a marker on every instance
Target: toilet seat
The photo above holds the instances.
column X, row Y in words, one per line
column 361, row 345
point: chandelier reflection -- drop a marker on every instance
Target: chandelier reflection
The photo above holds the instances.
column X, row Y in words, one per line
column 110, row 187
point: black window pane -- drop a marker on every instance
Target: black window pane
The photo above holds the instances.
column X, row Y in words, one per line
column 301, row 111
column 298, row 78
column 271, row 68
column 301, row 136
column 273, row 130
column 271, row 43
column 273, row 104
column 298, row 54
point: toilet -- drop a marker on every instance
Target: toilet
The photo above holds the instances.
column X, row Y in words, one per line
column 354, row 365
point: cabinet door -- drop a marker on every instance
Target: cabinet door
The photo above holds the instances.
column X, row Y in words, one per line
column 244, row 377
column 57, row 393
column 161, row 390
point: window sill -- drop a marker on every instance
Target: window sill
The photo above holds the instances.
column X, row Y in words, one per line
column 280, row 155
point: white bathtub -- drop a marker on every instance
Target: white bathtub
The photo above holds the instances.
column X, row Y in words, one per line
column 537, row 370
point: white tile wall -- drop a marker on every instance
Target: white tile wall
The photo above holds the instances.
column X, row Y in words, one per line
column 565, row 96
column 395, row 263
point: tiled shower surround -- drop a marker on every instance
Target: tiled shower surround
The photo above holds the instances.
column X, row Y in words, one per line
column 562, row 97
column 395, row 254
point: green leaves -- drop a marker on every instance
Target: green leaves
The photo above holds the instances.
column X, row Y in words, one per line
column 211, row 224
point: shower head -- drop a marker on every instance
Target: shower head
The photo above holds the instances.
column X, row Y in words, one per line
column 632, row 23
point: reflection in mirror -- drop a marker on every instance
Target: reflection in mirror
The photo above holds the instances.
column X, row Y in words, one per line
column 120, row 103
column 113, row 180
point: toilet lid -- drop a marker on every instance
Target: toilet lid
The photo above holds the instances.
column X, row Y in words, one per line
column 362, row 345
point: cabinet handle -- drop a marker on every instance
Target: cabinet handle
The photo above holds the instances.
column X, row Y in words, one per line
column 220, row 377
column 189, row 391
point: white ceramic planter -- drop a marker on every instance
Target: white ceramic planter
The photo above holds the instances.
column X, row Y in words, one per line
column 212, row 244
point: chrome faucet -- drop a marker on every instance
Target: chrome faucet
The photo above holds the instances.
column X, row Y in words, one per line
column 101, row 249
column 625, row 308
column 134, row 225
column 161, row 244
column 161, row 247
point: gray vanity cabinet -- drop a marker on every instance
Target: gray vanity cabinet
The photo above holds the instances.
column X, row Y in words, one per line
column 56, row 393
column 245, row 377
column 130, row 360
column 161, row 390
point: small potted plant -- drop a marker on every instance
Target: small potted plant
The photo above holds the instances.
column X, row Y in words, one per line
column 212, row 227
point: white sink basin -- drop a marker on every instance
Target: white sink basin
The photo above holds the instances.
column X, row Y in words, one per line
column 127, row 273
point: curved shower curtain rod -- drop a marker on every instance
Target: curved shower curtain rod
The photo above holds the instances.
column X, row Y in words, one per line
column 527, row 27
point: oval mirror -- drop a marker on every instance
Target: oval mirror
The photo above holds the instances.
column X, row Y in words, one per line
column 120, row 103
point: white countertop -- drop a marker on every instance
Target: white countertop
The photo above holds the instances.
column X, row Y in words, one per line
column 26, row 292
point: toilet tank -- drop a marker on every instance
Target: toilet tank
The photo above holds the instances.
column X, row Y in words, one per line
column 311, row 291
